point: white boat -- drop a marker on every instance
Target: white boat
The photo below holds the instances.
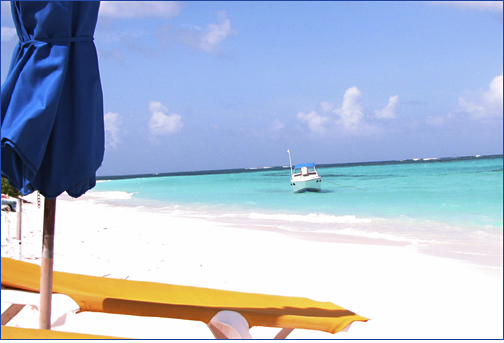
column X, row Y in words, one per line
column 305, row 178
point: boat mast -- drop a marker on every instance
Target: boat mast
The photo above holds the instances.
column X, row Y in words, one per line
column 290, row 162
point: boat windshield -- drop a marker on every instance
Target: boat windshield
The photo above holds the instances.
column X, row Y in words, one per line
column 305, row 171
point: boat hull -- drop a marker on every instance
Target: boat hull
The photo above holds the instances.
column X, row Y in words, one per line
column 312, row 185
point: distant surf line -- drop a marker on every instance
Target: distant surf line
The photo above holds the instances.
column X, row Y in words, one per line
column 279, row 168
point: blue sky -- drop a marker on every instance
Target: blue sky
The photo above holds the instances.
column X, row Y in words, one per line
column 217, row 85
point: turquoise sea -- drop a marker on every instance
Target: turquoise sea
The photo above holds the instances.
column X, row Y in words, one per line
column 455, row 203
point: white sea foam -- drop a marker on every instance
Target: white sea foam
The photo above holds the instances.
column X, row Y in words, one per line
column 368, row 234
column 312, row 218
column 113, row 195
column 256, row 168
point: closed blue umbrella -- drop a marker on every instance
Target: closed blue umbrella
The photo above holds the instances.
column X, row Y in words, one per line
column 52, row 107
column 52, row 136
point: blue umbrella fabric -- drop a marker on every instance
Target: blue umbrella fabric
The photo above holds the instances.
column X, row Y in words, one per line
column 52, row 136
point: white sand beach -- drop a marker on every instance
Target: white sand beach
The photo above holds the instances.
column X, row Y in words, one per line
column 405, row 293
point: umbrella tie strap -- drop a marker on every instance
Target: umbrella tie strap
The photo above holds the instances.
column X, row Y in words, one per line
column 57, row 40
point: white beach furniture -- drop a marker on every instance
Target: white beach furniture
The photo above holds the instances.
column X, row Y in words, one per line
column 13, row 301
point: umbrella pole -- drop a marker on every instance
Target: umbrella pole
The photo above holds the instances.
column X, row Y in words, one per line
column 46, row 272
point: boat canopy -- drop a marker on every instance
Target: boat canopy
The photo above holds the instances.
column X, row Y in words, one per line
column 299, row 166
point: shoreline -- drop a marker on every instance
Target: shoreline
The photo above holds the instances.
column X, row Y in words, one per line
column 481, row 246
column 393, row 283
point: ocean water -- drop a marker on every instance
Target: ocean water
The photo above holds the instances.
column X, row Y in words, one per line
column 455, row 203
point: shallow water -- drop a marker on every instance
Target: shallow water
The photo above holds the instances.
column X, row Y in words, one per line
column 453, row 205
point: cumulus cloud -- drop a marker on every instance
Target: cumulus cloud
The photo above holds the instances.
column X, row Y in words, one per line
column 492, row 6
column 350, row 113
column 326, row 106
column 488, row 104
column 493, row 97
column 316, row 122
column 112, row 129
column 389, row 111
column 138, row 9
column 160, row 123
column 349, row 118
column 209, row 38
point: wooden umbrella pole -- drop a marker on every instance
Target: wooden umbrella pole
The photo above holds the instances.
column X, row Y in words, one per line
column 18, row 225
column 46, row 272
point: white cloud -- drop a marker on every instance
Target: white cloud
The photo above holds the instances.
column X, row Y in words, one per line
column 350, row 113
column 112, row 129
column 493, row 97
column 388, row 112
column 216, row 33
column 316, row 123
column 8, row 34
column 209, row 38
column 326, row 106
column 493, row 6
column 349, row 118
column 276, row 125
column 488, row 104
column 161, row 123
column 137, row 9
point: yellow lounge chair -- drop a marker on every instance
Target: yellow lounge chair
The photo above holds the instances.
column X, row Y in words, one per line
column 99, row 294
column 9, row 332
